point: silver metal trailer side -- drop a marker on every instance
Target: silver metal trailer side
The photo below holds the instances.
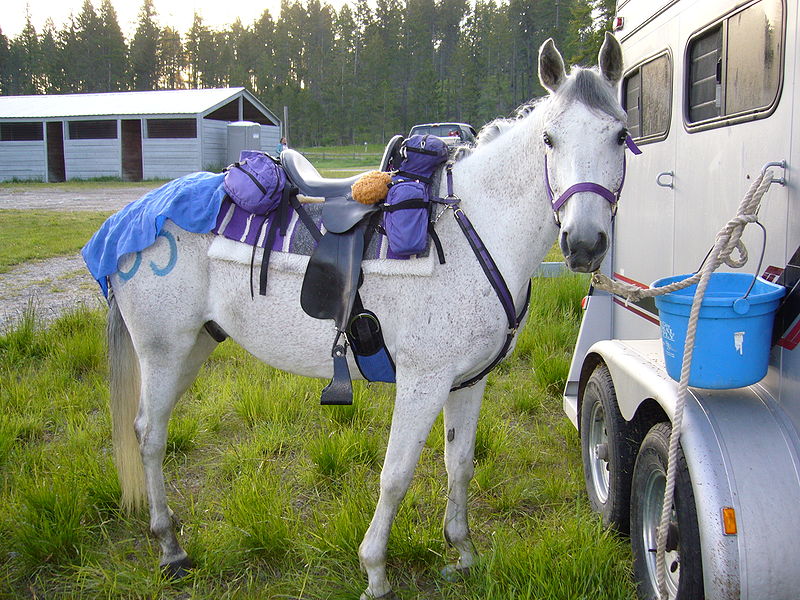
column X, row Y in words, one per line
column 710, row 88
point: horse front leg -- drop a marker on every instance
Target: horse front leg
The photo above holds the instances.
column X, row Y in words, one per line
column 460, row 425
column 165, row 375
column 418, row 401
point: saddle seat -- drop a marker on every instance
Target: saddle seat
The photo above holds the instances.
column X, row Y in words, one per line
column 308, row 180
column 340, row 213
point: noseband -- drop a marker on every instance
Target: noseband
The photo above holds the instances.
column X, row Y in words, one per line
column 588, row 186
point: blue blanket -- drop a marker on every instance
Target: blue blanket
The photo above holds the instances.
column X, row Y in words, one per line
column 191, row 202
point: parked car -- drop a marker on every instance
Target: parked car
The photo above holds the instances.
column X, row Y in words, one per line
column 451, row 133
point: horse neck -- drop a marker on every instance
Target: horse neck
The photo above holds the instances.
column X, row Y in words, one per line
column 502, row 190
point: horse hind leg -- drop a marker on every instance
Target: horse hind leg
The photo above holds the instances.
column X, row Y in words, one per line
column 165, row 377
column 461, row 412
column 165, row 371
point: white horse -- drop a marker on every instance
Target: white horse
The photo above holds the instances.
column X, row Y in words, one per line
column 441, row 329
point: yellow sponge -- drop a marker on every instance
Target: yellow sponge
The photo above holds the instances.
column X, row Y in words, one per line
column 371, row 187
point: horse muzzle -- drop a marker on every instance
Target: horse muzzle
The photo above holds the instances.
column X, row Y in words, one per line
column 583, row 253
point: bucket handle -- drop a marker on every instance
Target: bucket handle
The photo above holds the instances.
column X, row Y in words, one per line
column 742, row 305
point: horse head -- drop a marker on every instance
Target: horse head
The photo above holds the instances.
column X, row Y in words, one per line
column 584, row 136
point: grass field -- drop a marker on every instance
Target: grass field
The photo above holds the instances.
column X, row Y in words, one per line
column 274, row 492
column 27, row 235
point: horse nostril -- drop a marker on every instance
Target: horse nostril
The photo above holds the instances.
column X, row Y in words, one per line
column 564, row 243
column 602, row 242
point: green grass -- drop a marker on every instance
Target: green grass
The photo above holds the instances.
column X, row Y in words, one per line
column 95, row 183
column 554, row 254
column 27, row 235
column 344, row 161
column 275, row 492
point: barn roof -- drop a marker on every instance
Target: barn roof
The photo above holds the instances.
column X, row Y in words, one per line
column 161, row 102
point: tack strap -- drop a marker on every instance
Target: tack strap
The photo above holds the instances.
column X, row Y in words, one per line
column 588, row 186
column 280, row 222
column 492, row 274
column 501, row 289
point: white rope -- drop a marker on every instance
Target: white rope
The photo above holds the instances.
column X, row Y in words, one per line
column 728, row 239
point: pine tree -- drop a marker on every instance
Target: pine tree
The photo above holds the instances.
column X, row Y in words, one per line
column 264, row 56
column 88, row 57
column 5, row 65
column 113, row 49
column 53, row 67
column 171, row 59
column 25, row 49
column 144, row 67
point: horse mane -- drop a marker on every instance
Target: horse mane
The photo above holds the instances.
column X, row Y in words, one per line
column 583, row 85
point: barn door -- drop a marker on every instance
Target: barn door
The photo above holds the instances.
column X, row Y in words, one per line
column 132, row 149
column 55, row 152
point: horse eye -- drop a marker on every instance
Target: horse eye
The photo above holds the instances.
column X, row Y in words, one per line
column 623, row 135
column 547, row 141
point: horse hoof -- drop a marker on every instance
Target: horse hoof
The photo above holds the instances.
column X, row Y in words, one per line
column 453, row 573
column 178, row 569
column 390, row 595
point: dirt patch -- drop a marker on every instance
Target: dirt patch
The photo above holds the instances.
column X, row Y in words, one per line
column 57, row 198
column 51, row 287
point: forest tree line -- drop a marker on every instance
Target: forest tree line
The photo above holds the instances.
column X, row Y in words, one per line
column 358, row 74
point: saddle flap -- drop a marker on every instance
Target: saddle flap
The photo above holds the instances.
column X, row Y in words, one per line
column 331, row 280
column 341, row 214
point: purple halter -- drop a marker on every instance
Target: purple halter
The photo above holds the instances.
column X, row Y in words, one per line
column 587, row 186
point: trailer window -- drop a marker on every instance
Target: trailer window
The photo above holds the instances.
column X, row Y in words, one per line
column 754, row 56
column 92, row 130
column 705, row 76
column 647, row 98
column 734, row 67
column 171, row 128
column 26, row 131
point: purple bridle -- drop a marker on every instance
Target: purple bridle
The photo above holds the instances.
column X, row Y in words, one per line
column 588, row 186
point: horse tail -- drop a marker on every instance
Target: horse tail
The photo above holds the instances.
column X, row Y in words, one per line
column 125, row 384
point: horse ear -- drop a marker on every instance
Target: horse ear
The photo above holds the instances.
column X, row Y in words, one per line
column 551, row 66
column 610, row 59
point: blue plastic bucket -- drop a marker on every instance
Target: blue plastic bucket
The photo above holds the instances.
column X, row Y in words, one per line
column 734, row 332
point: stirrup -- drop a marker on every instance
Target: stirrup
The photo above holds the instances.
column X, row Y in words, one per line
column 339, row 392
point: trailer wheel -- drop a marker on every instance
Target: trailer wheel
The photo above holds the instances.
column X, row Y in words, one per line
column 608, row 451
column 684, row 572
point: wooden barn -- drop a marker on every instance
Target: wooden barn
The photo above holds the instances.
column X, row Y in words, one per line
column 131, row 135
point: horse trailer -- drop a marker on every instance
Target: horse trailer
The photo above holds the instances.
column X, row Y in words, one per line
column 710, row 88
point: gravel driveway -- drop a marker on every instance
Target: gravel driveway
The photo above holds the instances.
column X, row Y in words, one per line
column 57, row 284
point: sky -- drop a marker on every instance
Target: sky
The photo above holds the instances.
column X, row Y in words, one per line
column 175, row 13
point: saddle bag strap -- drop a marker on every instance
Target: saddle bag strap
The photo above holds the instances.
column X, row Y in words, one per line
column 279, row 222
column 414, row 176
column 436, row 242
column 406, row 204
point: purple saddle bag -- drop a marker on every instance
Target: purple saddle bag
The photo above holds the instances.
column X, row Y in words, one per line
column 256, row 182
column 408, row 202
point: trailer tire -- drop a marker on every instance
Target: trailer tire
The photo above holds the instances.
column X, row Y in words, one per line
column 608, row 450
column 684, row 571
